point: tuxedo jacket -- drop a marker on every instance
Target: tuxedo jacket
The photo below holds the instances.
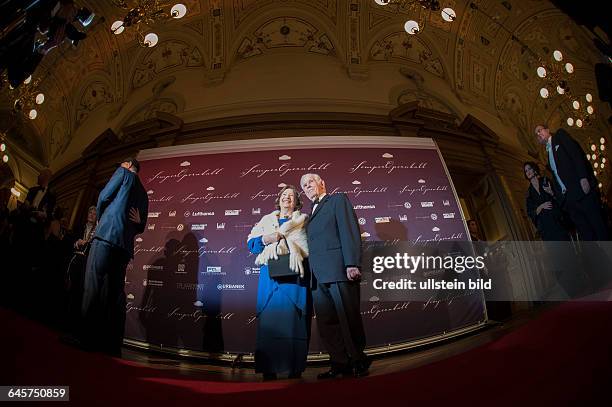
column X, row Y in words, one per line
column 47, row 203
column 334, row 239
column 572, row 166
column 122, row 192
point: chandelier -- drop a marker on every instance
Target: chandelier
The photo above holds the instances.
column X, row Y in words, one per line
column 26, row 97
column 412, row 6
column 556, row 74
column 3, row 148
column 144, row 14
column 597, row 156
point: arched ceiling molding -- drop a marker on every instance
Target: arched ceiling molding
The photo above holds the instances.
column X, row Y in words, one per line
column 246, row 43
column 171, row 103
column 180, row 51
column 327, row 11
column 396, row 46
column 22, row 133
column 97, row 91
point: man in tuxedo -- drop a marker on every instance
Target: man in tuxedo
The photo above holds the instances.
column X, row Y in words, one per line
column 40, row 199
column 575, row 185
column 122, row 211
column 334, row 243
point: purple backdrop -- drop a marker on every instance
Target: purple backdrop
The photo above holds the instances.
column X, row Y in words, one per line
column 193, row 283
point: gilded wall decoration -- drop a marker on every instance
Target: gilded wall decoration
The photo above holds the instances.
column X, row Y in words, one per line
column 286, row 32
column 425, row 100
column 400, row 47
column 59, row 139
column 164, row 57
column 95, row 94
column 244, row 9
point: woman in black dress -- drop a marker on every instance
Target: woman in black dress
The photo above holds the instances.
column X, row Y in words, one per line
column 542, row 207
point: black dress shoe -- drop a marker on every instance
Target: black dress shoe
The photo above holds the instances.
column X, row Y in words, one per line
column 334, row 372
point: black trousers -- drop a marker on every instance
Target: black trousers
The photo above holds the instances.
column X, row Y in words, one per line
column 587, row 217
column 103, row 308
column 338, row 314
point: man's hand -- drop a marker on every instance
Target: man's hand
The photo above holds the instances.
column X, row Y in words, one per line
column 79, row 243
column 135, row 215
column 584, row 183
column 353, row 273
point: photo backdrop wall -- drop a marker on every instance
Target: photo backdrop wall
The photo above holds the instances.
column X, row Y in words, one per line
column 193, row 282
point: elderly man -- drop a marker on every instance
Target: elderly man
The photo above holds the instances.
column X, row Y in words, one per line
column 122, row 211
column 334, row 242
column 575, row 184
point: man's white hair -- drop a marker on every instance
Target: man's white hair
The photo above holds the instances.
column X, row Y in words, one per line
column 309, row 175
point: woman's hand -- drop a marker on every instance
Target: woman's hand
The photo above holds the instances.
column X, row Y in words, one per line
column 545, row 205
column 548, row 189
column 271, row 238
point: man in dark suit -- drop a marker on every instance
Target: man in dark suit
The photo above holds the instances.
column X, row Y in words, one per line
column 122, row 211
column 334, row 244
column 40, row 199
column 575, row 184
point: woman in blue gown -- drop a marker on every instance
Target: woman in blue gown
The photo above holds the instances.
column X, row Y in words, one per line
column 283, row 305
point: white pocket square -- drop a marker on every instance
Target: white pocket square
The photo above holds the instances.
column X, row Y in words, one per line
column 556, row 147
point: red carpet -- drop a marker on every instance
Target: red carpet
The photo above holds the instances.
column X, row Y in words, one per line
column 562, row 358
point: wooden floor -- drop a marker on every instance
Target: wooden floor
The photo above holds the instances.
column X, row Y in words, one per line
column 381, row 365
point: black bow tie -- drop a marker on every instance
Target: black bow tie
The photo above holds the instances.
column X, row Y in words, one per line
column 316, row 201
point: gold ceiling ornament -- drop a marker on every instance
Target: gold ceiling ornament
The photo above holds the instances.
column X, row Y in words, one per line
column 415, row 7
column 143, row 14
column 556, row 73
column 26, row 97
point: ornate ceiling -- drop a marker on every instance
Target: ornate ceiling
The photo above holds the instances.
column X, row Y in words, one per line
column 226, row 56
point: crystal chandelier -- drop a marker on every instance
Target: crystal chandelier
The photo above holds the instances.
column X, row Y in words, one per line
column 27, row 97
column 3, row 147
column 412, row 6
column 144, row 14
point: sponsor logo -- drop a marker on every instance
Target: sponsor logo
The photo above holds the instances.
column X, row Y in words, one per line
column 190, row 286
column 434, row 216
column 154, row 214
column 283, row 169
column 403, row 218
column 446, row 202
column 256, row 211
column 251, row 270
column 365, row 234
column 152, row 283
column 362, row 221
column 450, row 215
column 213, row 269
column 221, row 226
column 196, row 214
column 232, row 212
column 232, row 287
column 151, row 226
column 180, row 227
column 130, row 296
column 180, row 269
column 199, row 226
column 153, row 267
column 427, row 204
column 407, row 205
column 183, row 174
column 364, row 207
column 383, row 219
column 172, row 214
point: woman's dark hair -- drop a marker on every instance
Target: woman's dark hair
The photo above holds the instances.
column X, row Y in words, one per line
column 535, row 167
column 298, row 201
